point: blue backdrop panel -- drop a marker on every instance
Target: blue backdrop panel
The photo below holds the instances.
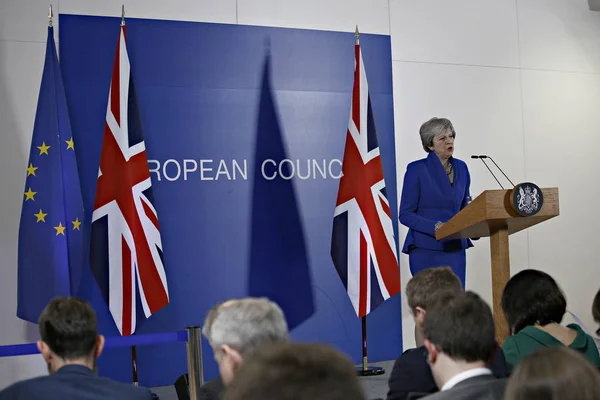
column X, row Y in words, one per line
column 198, row 87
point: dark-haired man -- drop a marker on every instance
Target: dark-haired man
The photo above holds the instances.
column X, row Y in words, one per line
column 70, row 345
column 459, row 337
column 411, row 373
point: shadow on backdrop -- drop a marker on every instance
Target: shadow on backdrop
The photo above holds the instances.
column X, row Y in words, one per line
column 279, row 267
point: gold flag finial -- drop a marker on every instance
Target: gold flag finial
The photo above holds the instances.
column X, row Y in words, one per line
column 122, row 15
column 50, row 16
column 356, row 34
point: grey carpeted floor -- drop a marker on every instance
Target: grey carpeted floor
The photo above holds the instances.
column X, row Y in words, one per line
column 374, row 386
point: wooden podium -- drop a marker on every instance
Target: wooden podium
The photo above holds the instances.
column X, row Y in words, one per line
column 491, row 214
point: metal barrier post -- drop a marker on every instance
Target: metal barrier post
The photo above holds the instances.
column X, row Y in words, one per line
column 194, row 361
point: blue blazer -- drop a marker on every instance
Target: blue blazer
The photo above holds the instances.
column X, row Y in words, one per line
column 428, row 197
column 74, row 382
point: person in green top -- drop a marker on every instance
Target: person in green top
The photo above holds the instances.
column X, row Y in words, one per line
column 534, row 306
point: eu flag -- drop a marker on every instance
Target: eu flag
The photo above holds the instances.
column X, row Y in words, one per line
column 279, row 267
column 50, row 258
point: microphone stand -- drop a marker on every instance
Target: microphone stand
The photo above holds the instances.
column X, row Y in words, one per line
column 484, row 163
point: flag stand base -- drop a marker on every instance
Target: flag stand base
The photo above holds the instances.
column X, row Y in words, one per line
column 364, row 369
column 370, row 371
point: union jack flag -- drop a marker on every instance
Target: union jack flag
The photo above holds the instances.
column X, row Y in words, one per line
column 363, row 247
column 126, row 251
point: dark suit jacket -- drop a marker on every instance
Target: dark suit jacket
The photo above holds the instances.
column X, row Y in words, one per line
column 482, row 387
column 74, row 382
column 212, row 390
column 411, row 373
column 428, row 197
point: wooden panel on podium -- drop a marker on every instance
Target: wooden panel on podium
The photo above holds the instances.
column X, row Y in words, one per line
column 491, row 214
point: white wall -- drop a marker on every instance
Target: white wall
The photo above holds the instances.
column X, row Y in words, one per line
column 520, row 79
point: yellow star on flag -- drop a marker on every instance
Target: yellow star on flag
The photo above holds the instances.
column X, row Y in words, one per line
column 29, row 195
column 40, row 216
column 60, row 229
column 43, row 148
column 76, row 224
column 70, row 144
column 31, row 169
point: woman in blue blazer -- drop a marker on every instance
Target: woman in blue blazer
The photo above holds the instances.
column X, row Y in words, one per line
column 435, row 189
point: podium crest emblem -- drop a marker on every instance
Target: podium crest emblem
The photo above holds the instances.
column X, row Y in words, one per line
column 527, row 199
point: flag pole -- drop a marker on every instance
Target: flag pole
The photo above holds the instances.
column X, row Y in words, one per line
column 134, row 369
column 365, row 361
column 365, row 370
column 134, row 363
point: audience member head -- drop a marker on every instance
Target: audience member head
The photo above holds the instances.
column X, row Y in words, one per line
column 554, row 373
column 459, row 334
column 532, row 297
column 236, row 327
column 296, row 372
column 422, row 290
column 596, row 311
column 69, row 334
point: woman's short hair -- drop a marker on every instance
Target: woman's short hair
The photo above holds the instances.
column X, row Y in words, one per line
column 553, row 373
column 532, row 297
column 432, row 128
column 596, row 308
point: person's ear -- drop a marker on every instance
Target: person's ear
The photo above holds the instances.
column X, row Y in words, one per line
column 45, row 351
column 234, row 356
column 420, row 315
column 100, row 340
column 432, row 351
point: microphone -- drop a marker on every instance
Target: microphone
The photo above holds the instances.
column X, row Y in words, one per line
column 484, row 163
column 499, row 169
